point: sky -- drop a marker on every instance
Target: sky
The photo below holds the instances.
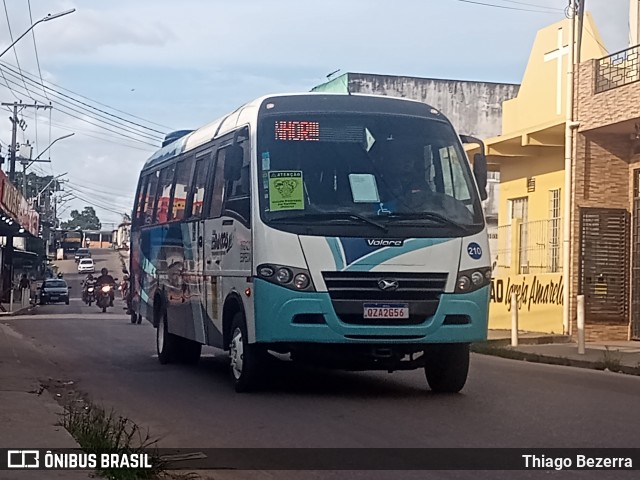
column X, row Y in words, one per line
column 167, row 65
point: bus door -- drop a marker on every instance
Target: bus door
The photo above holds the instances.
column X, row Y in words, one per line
column 215, row 244
column 193, row 318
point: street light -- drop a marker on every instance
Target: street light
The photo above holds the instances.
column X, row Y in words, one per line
column 50, row 16
column 26, row 164
column 50, row 145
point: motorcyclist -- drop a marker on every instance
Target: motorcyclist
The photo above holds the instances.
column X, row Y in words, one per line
column 106, row 279
column 124, row 286
column 89, row 281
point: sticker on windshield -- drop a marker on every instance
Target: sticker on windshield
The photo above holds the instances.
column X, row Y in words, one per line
column 266, row 161
column 474, row 250
column 368, row 139
column 286, row 191
column 364, row 188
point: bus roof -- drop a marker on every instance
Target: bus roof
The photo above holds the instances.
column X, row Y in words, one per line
column 249, row 111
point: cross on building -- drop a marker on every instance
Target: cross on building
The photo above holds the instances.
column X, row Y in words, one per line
column 557, row 55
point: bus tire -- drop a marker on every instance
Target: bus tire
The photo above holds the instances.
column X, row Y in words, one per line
column 189, row 351
column 167, row 344
column 446, row 367
column 245, row 359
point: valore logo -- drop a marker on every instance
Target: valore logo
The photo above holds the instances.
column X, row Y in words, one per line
column 384, row 242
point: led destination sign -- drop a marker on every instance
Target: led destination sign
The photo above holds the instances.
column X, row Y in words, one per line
column 300, row 131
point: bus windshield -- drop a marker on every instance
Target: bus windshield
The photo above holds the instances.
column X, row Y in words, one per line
column 387, row 170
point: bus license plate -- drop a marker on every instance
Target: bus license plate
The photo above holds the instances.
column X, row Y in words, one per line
column 386, row 310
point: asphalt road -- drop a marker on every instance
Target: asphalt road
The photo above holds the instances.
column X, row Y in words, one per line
column 504, row 404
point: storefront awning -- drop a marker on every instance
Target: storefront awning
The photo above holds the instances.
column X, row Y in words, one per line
column 17, row 218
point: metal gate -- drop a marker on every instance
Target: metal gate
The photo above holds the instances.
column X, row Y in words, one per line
column 604, row 264
column 635, row 269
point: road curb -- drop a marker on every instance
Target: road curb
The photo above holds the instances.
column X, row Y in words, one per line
column 495, row 349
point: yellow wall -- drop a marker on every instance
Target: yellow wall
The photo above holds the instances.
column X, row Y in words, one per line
column 537, row 114
column 539, row 300
column 548, row 173
column 537, row 100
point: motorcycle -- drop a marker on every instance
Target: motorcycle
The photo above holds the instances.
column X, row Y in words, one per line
column 103, row 299
column 90, row 294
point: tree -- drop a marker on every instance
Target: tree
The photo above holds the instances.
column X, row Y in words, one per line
column 85, row 220
column 37, row 183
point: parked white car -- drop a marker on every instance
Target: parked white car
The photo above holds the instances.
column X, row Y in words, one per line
column 86, row 265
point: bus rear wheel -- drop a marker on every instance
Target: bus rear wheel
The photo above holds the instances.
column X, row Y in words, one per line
column 446, row 367
column 246, row 360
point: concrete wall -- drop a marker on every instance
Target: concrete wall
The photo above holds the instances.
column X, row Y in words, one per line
column 474, row 108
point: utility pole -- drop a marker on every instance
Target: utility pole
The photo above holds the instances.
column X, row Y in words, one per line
column 7, row 268
column 17, row 106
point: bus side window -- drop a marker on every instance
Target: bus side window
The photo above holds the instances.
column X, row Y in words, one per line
column 238, row 195
column 217, row 193
column 139, row 213
column 181, row 189
column 150, row 202
column 197, row 188
column 164, row 192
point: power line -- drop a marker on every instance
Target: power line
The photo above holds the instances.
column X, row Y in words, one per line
column 140, row 140
column 35, row 48
column 504, row 6
column 105, row 138
column 79, row 102
column 534, row 5
column 15, row 51
column 97, row 117
column 97, row 102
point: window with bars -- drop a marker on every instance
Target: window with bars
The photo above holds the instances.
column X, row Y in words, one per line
column 554, row 230
column 519, row 211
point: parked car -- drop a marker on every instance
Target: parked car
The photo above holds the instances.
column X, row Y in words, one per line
column 86, row 265
column 82, row 253
column 54, row 290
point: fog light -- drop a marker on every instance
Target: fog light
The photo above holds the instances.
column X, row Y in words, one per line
column 283, row 275
column 301, row 281
column 464, row 284
column 477, row 278
column 266, row 271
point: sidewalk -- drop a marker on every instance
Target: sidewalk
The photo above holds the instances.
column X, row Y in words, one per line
column 30, row 416
column 553, row 349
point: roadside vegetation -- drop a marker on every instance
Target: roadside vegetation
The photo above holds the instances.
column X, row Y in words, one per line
column 100, row 431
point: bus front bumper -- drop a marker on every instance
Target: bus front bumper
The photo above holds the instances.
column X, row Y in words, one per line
column 284, row 315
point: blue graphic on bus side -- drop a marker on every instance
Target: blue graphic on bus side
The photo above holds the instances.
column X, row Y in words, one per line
column 474, row 250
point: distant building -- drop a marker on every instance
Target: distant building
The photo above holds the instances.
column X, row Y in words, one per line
column 474, row 108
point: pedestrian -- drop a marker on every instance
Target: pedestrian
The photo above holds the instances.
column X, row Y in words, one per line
column 25, row 286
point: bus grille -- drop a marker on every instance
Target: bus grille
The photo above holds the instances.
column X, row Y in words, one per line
column 350, row 290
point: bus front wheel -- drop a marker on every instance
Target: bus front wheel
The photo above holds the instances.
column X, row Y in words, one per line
column 245, row 359
column 166, row 343
column 447, row 366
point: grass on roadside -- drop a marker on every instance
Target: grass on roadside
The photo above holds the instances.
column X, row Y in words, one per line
column 100, row 431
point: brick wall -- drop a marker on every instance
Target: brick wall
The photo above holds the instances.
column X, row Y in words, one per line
column 605, row 108
column 602, row 176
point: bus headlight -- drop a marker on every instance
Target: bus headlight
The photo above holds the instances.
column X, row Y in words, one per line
column 290, row 277
column 464, row 284
column 474, row 279
column 301, row 281
column 284, row 275
column 477, row 278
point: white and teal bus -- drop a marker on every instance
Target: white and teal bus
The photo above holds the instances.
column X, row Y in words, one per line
column 343, row 230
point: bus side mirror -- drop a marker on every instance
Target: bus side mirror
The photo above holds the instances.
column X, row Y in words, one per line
column 480, row 172
column 233, row 159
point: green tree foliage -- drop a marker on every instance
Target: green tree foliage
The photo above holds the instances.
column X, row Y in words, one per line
column 37, row 184
column 85, row 220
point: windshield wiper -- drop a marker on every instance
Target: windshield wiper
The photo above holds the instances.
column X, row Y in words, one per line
column 430, row 216
column 330, row 216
